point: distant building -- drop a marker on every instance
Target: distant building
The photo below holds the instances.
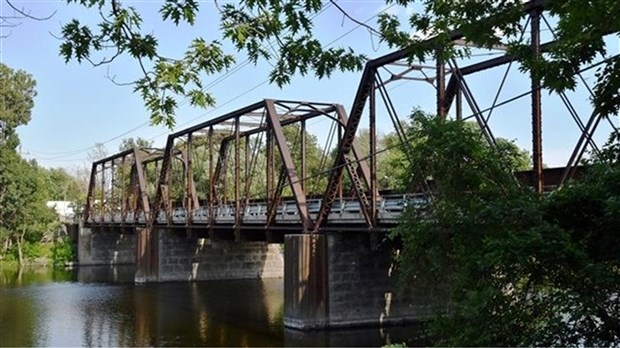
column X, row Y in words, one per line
column 64, row 209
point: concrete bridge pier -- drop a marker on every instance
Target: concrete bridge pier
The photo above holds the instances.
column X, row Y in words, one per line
column 338, row 280
column 168, row 254
column 171, row 255
column 105, row 246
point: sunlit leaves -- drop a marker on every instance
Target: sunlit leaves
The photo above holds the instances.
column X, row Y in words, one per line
column 17, row 94
column 606, row 98
column 177, row 10
column 279, row 31
column 79, row 40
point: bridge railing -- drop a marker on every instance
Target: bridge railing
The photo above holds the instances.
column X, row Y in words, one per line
column 344, row 211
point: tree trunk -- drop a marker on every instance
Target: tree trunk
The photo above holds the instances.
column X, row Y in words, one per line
column 20, row 241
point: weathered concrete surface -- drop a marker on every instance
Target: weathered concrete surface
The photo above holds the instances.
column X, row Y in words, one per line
column 185, row 259
column 105, row 247
column 179, row 258
column 338, row 280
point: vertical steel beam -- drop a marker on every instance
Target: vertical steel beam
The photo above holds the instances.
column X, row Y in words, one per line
column 537, row 155
column 123, row 193
column 237, row 176
column 340, row 183
column 287, row 160
column 303, row 156
column 103, row 203
column 133, row 198
column 441, row 84
column 221, row 171
column 270, row 168
column 192, row 199
column 247, row 172
column 112, row 201
column 211, row 193
column 373, row 154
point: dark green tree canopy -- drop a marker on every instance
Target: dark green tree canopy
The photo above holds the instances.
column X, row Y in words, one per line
column 252, row 25
column 518, row 269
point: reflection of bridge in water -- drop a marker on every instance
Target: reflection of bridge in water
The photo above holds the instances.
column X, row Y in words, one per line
column 254, row 176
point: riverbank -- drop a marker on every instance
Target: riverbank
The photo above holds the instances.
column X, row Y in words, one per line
column 58, row 254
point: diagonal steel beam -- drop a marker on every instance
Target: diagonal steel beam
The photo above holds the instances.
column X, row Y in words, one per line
column 287, row 160
column 144, row 199
column 91, row 192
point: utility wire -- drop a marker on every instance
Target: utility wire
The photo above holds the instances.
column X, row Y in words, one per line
column 214, row 83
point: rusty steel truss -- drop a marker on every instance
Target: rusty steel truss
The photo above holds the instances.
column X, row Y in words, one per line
column 228, row 136
column 225, row 174
column 118, row 184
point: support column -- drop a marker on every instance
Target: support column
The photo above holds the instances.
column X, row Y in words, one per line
column 338, row 280
column 536, row 106
column 147, row 255
column 105, row 246
column 305, row 281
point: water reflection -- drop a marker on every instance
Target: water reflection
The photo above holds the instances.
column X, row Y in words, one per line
column 101, row 306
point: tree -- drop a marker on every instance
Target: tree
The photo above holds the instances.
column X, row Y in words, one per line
column 16, row 102
column 24, row 217
column 518, row 159
column 130, row 143
column 248, row 26
column 252, row 26
column 62, row 186
column 99, row 151
column 516, row 270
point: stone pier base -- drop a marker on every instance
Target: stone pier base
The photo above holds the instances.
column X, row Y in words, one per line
column 99, row 246
column 180, row 258
column 338, row 280
column 170, row 255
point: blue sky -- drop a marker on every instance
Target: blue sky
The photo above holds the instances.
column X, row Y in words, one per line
column 77, row 106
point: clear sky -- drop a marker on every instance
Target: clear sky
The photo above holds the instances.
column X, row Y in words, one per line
column 77, row 106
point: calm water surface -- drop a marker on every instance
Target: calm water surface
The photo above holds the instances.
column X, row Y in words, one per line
column 101, row 306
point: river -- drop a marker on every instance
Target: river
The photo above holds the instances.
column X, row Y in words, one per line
column 101, row 306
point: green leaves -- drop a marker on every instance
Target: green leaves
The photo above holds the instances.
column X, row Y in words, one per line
column 177, row 10
column 263, row 29
column 16, row 103
column 516, row 269
column 79, row 41
column 281, row 32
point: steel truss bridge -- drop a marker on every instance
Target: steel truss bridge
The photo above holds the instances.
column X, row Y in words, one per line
column 241, row 170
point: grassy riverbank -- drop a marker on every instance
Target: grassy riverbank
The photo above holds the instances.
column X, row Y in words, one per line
column 56, row 254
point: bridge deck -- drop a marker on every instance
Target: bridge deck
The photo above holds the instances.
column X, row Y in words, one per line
column 344, row 213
